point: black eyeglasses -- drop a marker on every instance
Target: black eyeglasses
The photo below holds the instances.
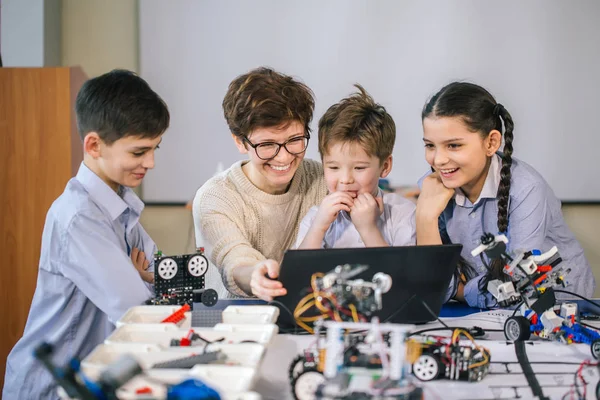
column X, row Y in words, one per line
column 269, row 150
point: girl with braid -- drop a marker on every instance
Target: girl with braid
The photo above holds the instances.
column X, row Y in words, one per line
column 474, row 188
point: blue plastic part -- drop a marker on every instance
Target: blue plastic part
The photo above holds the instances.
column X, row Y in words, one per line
column 75, row 364
column 536, row 327
column 192, row 389
column 580, row 333
column 94, row 388
column 536, row 252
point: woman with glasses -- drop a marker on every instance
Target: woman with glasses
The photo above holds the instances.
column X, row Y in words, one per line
column 249, row 214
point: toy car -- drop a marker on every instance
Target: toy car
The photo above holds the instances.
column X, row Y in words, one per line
column 355, row 366
column 533, row 278
column 450, row 358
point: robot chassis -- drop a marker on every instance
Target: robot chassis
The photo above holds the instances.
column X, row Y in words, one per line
column 375, row 364
column 377, row 371
column 533, row 278
column 342, row 371
column 178, row 278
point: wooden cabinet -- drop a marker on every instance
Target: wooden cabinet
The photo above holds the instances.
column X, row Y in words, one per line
column 40, row 151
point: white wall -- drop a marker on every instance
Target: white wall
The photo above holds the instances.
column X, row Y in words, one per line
column 30, row 33
column 100, row 35
column 539, row 58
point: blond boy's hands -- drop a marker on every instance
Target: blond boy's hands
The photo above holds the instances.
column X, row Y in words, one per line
column 366, row 211
column 331, row 205
column 263, row 281
column 138, row 258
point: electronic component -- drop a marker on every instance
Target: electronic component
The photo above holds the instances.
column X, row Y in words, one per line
column 533, row 279
column 338, row 297
column 355, row 365
column 177, row 277
column 442, row 357
column 188, row 362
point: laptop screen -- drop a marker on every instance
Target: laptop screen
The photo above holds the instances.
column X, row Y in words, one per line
column 419, row 274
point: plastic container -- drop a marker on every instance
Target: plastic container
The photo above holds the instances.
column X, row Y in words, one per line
column 250, row 315
column 231, row 382
column 245, row 354
column 153, row 315
column 162, row 334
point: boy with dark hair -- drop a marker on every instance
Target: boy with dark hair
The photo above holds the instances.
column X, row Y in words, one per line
column 356, row 140
column 93, row 265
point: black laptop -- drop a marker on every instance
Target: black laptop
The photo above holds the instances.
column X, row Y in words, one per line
column 420, row 274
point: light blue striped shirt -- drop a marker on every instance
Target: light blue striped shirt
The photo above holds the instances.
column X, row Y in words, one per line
column 535, row 222
column 86, row 280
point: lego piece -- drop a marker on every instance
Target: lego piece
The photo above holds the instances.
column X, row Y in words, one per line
column 189, row 362
column 208, row 297
column 568, row 309
column 192, row 389
column 550, row 320
column 177, row 316
column 504, row 292
column 144, row 390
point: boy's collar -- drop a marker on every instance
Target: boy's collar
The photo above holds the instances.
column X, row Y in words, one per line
column 490, row 186
column 103, row 195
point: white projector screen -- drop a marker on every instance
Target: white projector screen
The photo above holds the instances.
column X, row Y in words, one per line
column 540, row 58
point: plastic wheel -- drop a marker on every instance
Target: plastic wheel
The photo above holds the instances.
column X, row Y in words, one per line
column 209, row 297
column 197, row 265
column 595, row 348
column 296, row 367
column 517, row 329
column 167, row 268
column 305, row 385
column 426, row 368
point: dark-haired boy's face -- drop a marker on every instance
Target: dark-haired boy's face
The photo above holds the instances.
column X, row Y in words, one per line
column 126, row 161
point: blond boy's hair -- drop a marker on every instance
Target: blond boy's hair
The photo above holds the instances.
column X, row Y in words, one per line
column 358, row 119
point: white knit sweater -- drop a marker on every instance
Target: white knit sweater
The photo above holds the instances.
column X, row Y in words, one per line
column 242, row 225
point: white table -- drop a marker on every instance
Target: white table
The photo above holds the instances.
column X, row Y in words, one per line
column 504, row 381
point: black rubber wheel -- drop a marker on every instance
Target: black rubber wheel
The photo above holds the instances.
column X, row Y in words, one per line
column 208, row 297
column 595, row 348
column 296, row 367
column 517, row 329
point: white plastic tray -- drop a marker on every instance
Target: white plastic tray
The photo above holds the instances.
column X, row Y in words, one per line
column 245, row 354
column 153, row 315
column 250, row 315
column 162, row 334
column 271, row 329
column 224, row 379
column 231, row 315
